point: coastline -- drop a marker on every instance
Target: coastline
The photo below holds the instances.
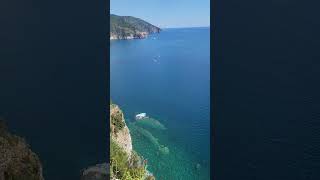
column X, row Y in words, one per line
column 141, row 35
column 169, row 153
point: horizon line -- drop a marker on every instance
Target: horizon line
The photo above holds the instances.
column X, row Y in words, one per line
column 208, row 26
column 200, row 26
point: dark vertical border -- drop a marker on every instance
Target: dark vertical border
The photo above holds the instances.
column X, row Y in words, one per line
column 107, row 59
column 212, row 87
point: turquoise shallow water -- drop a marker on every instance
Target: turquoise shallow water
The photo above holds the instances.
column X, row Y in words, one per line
column 166, row 159
column 167, row 76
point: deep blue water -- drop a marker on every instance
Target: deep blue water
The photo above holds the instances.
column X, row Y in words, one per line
column 168, row 76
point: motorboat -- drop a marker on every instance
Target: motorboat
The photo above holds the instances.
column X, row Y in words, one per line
column 141, row 116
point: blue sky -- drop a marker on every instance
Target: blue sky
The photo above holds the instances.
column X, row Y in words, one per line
column 165, row 13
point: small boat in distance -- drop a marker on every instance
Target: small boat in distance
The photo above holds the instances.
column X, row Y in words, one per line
column 141, row 116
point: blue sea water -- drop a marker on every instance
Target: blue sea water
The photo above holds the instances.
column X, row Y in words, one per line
column 167, row 76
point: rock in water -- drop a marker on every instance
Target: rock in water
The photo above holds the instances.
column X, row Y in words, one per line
column 164, row 150
column 151, row 123
column 198, row 166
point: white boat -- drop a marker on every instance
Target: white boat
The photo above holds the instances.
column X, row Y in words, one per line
column 141, row 116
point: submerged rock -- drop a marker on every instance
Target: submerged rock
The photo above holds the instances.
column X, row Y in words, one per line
column 164, row 150
column 198, row 166
column 151, row 123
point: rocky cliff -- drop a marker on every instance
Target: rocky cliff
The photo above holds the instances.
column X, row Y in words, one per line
column 125, row 163
column 128, row 27
column 118, row 129
column 17, row 161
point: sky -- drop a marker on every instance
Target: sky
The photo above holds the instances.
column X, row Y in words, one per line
column 165, row 13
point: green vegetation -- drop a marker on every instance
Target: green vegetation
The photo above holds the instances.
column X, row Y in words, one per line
column 122, row 27
column 123, row 167
column 117, row 121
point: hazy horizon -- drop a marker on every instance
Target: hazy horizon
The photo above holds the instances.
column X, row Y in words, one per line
column 165, row 13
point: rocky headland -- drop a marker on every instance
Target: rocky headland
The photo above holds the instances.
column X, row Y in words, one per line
column 128, row 27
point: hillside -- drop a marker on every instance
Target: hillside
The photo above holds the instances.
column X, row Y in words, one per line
column 125, row 163
column 128, row 27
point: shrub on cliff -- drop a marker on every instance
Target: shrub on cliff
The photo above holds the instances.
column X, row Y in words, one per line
column 117, row 121
column 121, row 165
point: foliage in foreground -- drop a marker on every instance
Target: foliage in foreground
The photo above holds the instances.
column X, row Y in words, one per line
column 117, row 120
column 122, row 167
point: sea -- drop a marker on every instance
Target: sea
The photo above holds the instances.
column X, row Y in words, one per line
column 166, row 76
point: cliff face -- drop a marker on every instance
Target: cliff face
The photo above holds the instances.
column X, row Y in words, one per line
column 17, row 161
column 125, row 163
column 119, row 131
column 128, row 27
